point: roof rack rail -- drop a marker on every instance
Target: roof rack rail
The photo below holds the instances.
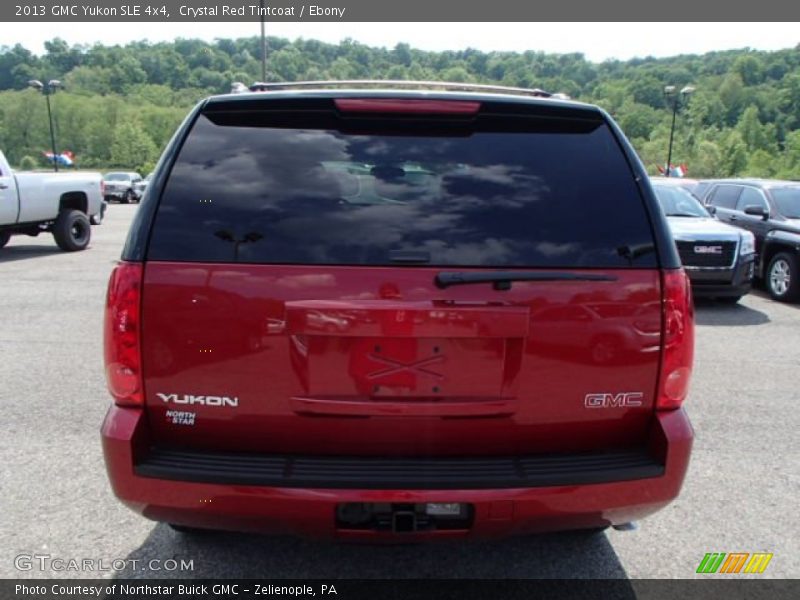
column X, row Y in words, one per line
column 390, row 83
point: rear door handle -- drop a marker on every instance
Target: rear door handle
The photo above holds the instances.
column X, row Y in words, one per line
column 734, row 218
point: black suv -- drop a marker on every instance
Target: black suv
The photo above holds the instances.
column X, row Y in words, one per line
column 770, row 209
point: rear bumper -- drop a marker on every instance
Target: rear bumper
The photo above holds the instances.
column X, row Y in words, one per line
column 119, row 194
column 289, row 508
column 736, row 281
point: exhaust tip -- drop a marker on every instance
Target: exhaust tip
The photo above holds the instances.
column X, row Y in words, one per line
column 630, row 526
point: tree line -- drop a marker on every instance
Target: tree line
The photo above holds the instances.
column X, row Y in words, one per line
column 120, row 104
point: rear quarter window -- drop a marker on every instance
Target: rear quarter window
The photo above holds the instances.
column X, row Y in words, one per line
column 500, row 191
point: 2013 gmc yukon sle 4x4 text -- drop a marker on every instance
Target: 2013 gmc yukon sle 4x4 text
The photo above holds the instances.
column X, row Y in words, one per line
column 386, row 313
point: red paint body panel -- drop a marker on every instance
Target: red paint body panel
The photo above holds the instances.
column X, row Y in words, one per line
column 126, row 433
column 379, row 361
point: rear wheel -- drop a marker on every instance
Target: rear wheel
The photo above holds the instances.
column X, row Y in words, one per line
column 4, row 237
column 128, row 197
column 72, row 230
column 783, row 278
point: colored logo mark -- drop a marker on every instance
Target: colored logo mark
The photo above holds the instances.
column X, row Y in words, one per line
column 735, row 562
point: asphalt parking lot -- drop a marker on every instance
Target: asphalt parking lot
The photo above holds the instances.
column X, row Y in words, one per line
column 740, row 495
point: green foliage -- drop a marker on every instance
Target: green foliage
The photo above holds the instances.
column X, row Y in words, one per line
column 709, row 160
column 637, row 120
column 753, row 133
column 132, row 148
column 121, row 104
column 28, row 163
column 734, row 154
column 760, row 164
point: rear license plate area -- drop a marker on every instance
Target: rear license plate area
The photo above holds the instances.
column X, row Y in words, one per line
column 406, row 367
column 401, row 517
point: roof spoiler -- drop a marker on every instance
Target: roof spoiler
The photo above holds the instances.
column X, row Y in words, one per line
column 239, row 88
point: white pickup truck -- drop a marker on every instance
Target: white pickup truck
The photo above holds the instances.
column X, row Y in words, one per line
column 64, row 204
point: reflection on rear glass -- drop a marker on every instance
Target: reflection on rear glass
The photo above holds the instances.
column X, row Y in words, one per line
column 315, row 196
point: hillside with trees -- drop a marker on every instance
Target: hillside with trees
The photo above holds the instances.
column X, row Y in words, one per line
column 120, row 104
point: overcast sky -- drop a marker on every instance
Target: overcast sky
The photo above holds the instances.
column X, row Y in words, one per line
column 598, row 41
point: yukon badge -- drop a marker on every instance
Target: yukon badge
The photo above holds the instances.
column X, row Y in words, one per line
column 202, row 400
column 621, row 400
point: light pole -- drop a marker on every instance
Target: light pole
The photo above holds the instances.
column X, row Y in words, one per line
column 48, row 89
column 677, row 99
column 228, row 236
column 263, row 44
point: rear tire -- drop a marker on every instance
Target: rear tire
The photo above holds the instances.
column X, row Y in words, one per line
column 128, row 197
column 4, row 237
column 72, row 230
column 783, row 277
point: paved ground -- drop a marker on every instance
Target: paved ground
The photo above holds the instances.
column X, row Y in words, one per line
column 740, row 495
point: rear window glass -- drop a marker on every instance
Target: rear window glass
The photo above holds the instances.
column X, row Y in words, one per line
column 256, row 189
column 788, row 201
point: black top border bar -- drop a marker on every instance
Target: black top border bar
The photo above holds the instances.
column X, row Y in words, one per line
column 496, row 11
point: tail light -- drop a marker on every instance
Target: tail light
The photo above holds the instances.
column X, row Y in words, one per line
column 678, row 339
column 122, row 335
column 407, row 105
column 102, row 188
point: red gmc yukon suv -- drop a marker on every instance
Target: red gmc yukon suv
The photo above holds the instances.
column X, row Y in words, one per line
column 411, row 311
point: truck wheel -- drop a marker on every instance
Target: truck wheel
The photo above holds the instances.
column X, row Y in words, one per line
column 4, row 237
column 783, row 277
column 72, row 230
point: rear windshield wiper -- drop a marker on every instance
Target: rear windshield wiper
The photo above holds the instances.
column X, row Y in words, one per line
column 501, row 280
